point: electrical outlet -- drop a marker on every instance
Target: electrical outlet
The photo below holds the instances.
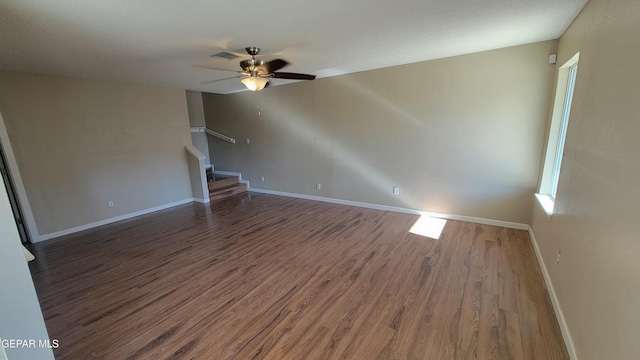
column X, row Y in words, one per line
column 396, row 190
column 558, row 257
column 262, row 178
column 110, row 203
column 319, row 186
column 248, row 141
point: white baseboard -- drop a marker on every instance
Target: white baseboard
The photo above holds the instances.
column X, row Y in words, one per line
column 507, row 224
column 202, row 201
column 566, row 335
column 76, row 229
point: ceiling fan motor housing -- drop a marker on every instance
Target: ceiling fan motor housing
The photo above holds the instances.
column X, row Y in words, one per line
column 251, row 64
column 253, row 50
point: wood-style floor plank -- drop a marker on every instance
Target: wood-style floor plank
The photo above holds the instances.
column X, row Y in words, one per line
column 257, row 276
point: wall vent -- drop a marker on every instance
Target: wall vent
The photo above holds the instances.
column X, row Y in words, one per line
column 225, row 55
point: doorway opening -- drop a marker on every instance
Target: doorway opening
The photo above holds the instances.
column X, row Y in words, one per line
column 13, row 198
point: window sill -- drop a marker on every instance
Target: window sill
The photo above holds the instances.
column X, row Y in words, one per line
column 547, row 204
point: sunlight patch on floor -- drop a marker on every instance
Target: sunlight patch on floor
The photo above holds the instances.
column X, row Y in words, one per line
column 428, row 226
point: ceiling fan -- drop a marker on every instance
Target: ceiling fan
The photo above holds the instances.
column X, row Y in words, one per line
column 256, row 73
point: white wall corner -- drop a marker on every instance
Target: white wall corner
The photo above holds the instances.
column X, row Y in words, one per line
column 564, row 328
column 194, row 152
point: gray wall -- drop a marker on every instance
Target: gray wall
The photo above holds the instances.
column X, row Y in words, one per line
column 460, row 135
column 196, row 118
column 79, row 143
column 597, row 280
column 20, row 314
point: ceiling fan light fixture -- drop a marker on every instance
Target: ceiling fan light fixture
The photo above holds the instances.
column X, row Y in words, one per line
column 255, row 83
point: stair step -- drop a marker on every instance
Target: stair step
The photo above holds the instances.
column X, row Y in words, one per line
column 229, row 190
column 221, row 183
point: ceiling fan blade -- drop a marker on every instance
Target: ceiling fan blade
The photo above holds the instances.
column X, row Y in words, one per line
column 274, row 65
column 293, row 76
column 212, row 81
column 215, row 68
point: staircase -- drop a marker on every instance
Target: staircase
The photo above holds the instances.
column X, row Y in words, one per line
column 222, row 187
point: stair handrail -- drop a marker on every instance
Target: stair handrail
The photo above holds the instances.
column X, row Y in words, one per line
column 213, row 133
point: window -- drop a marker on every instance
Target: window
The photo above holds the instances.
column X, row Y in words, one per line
column 557, row 134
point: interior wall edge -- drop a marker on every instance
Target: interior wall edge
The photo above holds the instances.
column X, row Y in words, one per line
column 25, row 207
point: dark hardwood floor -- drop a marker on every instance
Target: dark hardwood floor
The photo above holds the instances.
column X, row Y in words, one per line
column 265, row 277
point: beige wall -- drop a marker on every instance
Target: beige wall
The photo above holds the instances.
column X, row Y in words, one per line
column 195, row 107
column 598, row 279
column 196, row 118
column 460, row 135
column 79, row 143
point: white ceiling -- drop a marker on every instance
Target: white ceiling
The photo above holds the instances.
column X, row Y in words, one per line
column 167, row 42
